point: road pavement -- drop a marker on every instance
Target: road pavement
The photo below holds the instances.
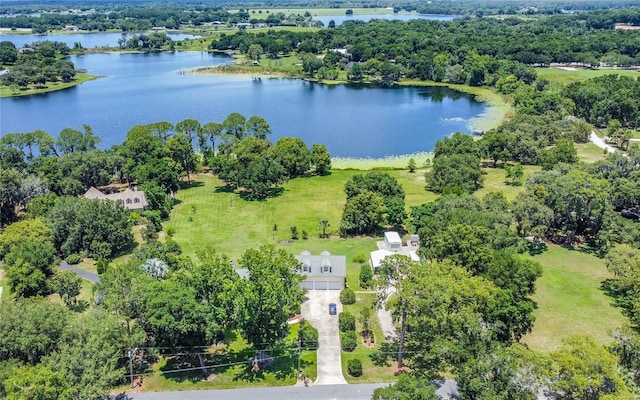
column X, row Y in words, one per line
column 316, row 311
column 445, row 389
column 90, row 276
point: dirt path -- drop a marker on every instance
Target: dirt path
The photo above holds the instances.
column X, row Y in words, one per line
column 598, row 141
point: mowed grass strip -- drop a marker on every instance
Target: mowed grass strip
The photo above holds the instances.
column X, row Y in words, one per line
column 570, row 300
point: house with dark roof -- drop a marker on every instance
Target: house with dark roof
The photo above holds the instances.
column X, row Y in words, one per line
column 322, row 272
column 134, row 200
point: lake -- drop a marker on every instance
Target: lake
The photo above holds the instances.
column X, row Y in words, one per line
column 88, row 40
column 352, row 120
column 339, row 19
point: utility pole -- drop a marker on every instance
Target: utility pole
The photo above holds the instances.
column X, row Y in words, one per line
column 299, row 350
column 132, row 352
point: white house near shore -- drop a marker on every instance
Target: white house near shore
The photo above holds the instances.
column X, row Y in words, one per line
column 393, row 241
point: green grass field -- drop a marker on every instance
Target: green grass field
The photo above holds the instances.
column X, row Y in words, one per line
column 565, row 76
column 570, row 300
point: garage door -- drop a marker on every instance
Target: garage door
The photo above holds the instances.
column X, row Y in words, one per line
column 335, row 285
column 321, row 285
column 307, row 285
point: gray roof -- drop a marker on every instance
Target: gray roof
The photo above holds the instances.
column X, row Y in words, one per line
column 131, row 199
column 337, row 265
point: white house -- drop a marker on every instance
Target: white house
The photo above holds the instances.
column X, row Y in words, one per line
column 323, row 272
column 393, row 241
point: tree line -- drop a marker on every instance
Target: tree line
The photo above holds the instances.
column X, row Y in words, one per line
column 36, row 64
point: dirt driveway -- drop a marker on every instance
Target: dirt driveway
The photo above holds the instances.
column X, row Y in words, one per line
column 316, row 311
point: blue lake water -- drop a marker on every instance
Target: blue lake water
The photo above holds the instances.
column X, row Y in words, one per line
column 88, row 40
column 339, row 19
column 352, row 120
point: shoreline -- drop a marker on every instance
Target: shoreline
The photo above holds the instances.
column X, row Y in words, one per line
column 389, row 162
column 5, row 91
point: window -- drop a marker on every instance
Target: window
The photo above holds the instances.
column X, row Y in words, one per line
column 136, row 200
column 306, row 266
column 326, row 266
column 128, row 201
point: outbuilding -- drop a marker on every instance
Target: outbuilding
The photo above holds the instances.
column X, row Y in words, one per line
column 377, row 257
column 393, row 241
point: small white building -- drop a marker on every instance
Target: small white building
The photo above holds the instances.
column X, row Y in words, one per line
column 393, row 241
column 377, row 257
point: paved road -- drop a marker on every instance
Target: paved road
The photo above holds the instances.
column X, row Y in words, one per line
column 316, row 311
column 446, row 390
column 321, row 392
column 90, row 276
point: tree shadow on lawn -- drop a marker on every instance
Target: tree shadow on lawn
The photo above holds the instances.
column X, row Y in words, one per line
column 283, row 364
column 620, row 297
column 193, row 184
column 270, row 193
column 388, row 352
column 536, row 248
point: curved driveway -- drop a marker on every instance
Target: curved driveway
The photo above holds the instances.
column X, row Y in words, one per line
column 316, row 311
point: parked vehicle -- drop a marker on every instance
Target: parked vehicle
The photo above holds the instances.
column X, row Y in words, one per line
column 333, row 309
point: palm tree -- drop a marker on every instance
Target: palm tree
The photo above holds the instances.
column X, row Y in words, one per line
column 323, row 224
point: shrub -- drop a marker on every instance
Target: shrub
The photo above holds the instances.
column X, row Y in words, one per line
column 305, row 235
column 170, row 230
column 74, row 259
column 101, row 266
column 354, row 367
column 366, row 276
column 294, row 232
column 347, row 296
column 347, row 322
column 360, row 259
column 349, row 341
column 307, row 335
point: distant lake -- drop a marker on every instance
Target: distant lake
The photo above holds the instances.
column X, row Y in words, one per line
column 352, row 120
column 88, row 40
column 339, row 19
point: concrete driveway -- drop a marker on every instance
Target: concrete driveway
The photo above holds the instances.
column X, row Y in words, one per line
column 316, row 311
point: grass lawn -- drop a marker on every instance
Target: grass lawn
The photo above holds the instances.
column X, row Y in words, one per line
column 6, row 91
column 85, row 297
column 495, row 181
column 233, row 370
column 371, row 372
column 565, row 77
column 570, row 300
column 589, row 152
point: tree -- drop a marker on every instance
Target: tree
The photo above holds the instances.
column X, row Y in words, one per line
column 412, row 165
column 172, row 317
column 457, row 171
column 511, row 373
column 323, row 225
column 212, row 130
column 532, row 218
column 254, row 52
column 585, row 370
column 37, row 382
column 30, row 328
column 362, row 214
column 27, row 230
column 407, row 388
column 90, row 355
column 70, row 140
column 271, row 295
column 293, row 155
column 320, row 159
column 98, row 227
column 189, row 127
column 515, row 173
column 121, row 291
column 67, row 284
column 181, row 151
column 29, row 265
column 258, row 127
column 235, row 125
